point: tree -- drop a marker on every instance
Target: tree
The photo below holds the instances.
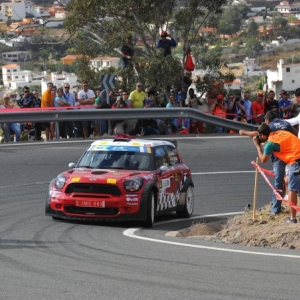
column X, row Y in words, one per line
column 106, row 24
column 253, row 29
column 230, row 22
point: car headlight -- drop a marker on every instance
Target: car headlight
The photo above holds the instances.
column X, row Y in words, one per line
column 133, row 185
column 60, row 181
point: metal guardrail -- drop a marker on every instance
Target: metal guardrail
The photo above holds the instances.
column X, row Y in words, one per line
column 41, row 115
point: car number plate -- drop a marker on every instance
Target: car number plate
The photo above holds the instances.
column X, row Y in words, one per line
column 84, row 203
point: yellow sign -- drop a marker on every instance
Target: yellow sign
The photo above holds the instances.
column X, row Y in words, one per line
column 75, row 179
column 111, row 180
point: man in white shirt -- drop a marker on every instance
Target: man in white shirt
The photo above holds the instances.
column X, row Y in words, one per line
column 296, row 120
column 86, row 97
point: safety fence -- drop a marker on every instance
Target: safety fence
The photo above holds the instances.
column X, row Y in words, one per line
column 58, row 114
column 264, row 174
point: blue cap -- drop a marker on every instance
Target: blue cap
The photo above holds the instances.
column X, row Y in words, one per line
column 148, row 101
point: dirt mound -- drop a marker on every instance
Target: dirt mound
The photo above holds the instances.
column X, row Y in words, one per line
column 267, row 230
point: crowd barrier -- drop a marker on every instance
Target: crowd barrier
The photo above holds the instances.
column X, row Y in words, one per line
column 264, row 174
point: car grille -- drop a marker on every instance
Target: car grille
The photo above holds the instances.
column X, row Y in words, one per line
column 91, row 210
column 93, row 189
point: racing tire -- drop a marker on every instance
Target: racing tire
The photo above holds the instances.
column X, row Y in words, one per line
column 150, row 210
column 188, row 208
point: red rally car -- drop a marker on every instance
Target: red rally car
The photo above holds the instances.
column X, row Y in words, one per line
column 123, row 179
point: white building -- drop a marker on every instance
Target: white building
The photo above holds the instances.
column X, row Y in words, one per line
column 14, row 77
column 60, row 79
column 285, row 77
column 101, row 62
column 286, row 8
column 13, row 11
column 16, row 56
column 251, row 68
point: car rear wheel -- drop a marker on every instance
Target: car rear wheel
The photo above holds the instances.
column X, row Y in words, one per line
column 150, row 210
column 188, row 208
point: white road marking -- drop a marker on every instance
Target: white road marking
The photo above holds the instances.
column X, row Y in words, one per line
column 131, row 232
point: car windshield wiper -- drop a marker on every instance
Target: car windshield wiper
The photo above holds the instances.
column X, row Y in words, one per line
column 88, row 167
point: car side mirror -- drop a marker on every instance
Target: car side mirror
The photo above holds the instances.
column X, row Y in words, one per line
column 163, row 169
column 72, row 165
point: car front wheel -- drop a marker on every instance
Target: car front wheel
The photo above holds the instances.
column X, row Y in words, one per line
column 188, row 208
column 150, row 210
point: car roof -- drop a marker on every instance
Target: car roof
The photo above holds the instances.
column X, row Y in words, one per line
column 133, row 142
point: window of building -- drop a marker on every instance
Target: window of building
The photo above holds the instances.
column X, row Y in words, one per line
column 16, row 77
column 15, row 70
column 293, row 81
column 8, row 71
column 288, row 69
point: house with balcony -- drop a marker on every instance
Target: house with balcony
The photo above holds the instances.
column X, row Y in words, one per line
column 251, row 68
column 285, row 77
column 13, row 11
column 286, row 8
column 102, row 62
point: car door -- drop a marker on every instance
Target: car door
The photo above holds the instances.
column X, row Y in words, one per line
column 165, row 180
column 177, row 172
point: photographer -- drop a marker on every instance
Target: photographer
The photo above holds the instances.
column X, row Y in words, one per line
column 240, row 118
column 236, row 105
column 275, row 124
column 285, row 146
column 122, row 126
column 219, row 109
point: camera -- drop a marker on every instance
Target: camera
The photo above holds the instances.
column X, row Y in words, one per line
column 297, row 169
column 219, row 100
column 259, row 141
column 239, row 119
column 237, row 99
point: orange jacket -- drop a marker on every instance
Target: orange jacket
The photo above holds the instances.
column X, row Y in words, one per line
column 289, row 146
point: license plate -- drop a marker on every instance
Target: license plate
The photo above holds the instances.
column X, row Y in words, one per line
column 83, row 203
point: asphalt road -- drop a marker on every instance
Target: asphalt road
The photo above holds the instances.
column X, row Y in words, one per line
column 45, row 259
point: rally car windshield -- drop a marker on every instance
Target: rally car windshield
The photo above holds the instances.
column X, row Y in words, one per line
column 119, row 160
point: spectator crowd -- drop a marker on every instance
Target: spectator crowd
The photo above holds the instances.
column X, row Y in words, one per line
column 235, row 106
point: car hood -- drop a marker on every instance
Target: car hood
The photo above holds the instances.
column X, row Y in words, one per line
column 103, row 176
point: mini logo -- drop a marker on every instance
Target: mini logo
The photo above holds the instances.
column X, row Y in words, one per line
column 93, row 179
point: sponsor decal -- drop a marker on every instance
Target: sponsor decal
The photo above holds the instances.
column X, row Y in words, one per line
column 93, row 178
column 176, row 176
column 130, row 199
column 111, row 180
column 116, row 173
column 75, row 179
column 135, row 144
column 165, row 183
column 148, row 177
column 133, row 203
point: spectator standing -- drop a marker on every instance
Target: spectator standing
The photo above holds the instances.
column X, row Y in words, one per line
column 123, row 126
column 149, row 126
column 187, row 78
column 271, row 103
column 8, row 127
column 78, row 132
column 69, row 97
column 101, row 103
column 47, row 102
column 258, row 109
column 296, row 120
column 231, row 107
column 239, row 118
column 219, row 109
column 60, row 101
column 194, row 102
column 86, row 97
column 38, row 126
column 166, row 43
column 248, row 105
column 137, row 97
column 127, row 53
column 285, row 106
